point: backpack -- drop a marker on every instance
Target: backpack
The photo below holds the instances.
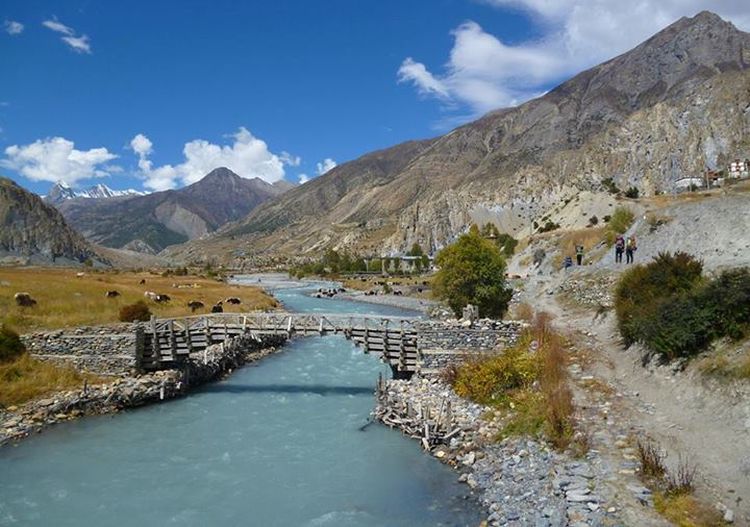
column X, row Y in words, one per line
column 620, row 243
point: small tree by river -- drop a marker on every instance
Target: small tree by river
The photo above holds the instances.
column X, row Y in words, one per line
column 472, row 271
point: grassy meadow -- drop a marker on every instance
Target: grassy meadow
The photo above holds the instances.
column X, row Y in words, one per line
column 65, row 299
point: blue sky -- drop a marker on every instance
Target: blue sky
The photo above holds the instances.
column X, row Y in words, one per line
column 152, row 94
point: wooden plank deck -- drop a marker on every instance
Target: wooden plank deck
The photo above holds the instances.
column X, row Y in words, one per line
column 170, row 341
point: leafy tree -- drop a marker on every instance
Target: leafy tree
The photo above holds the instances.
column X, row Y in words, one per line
column 472, row 271
column 416, row 250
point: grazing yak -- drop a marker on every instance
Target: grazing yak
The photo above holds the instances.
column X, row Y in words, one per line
column 195, row 305
column 217, row 308
column 24, row 300
column 233, row 300
column 143, row 281
column 156, row 297
column 112, row 294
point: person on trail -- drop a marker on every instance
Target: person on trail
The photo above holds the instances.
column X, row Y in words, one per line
column 579, row 254
column 630, row 248
column 568, row 262
column 619, row 248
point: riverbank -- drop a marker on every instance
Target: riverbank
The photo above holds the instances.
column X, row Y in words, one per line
column 33, row 417
column 402, row 302
column 519, row 480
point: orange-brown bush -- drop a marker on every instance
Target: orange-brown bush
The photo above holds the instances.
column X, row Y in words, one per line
column 138, row 312
column 531, row 379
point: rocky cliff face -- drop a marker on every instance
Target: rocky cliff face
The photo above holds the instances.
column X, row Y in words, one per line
column 33, row 232
column 152, row 222
column 670, row 108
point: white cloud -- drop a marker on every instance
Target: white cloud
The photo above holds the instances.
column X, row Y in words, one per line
column 56, row 159
column 13, row 28
column 290, row 160
column 79, row 44
column 58, row 27
column 485, row 73
column 143, row 147
column 325, row 165
column 248, row 156
column 303, row 178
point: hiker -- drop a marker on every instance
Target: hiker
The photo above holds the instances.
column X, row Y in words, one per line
column 579, row 254
column 619, row 248
column 630, row 248
column 568, row 262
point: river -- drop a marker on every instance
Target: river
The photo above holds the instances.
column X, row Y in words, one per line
column 277, row 443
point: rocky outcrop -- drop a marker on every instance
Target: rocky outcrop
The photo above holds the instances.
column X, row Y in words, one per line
column 33, row 232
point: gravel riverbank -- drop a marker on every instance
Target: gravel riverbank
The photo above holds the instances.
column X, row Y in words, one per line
column 520, row 481
column 403, row 302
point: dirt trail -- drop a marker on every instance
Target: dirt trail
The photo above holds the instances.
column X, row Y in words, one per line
column 707, row 423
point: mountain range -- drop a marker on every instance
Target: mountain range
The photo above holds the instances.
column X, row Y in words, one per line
column 149, row 223
column 670, row 108
column 61, row 192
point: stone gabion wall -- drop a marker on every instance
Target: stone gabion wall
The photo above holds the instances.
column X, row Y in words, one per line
column 107, row 350
column 443, row 343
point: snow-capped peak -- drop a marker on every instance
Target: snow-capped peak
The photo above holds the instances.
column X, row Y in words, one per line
column 61, row 191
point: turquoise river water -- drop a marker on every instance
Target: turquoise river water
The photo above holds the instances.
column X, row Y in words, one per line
column 276, row 444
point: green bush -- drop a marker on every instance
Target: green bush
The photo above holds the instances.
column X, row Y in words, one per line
column 620, row 221
column 11, row 346
column 138, row 312
column 632, row 193
column 549, row 226
column 472, row 271
column 643, row 289
column 668, row 307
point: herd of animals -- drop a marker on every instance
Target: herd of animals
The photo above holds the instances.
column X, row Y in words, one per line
column 23, row 299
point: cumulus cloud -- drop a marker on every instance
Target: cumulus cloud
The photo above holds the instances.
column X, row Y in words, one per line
column 143, row 147
column 247, row 156
column 325, row 165
column 484, row 73
column 303, row 178
column 12, row 27
column 79, row 44
column 57, row 159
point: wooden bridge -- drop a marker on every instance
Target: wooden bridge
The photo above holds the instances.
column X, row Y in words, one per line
column 168, row 342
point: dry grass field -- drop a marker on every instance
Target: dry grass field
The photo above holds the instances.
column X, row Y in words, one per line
column 65, row 299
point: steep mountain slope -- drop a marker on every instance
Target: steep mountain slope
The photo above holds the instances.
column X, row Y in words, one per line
column 151, row 222
column 61, row 192
column 671, row 107
column 33, row 232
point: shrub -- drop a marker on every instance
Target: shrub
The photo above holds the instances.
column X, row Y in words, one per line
column 620, row 221
column 593, row 221
column 138, row 312
column 487, row 379
column 674, row 312
column 643, row 289
column 610, row 185
column 549, row 226
column 632, row 193
column 11, row 346
column 531, row 379
column 472, row 271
